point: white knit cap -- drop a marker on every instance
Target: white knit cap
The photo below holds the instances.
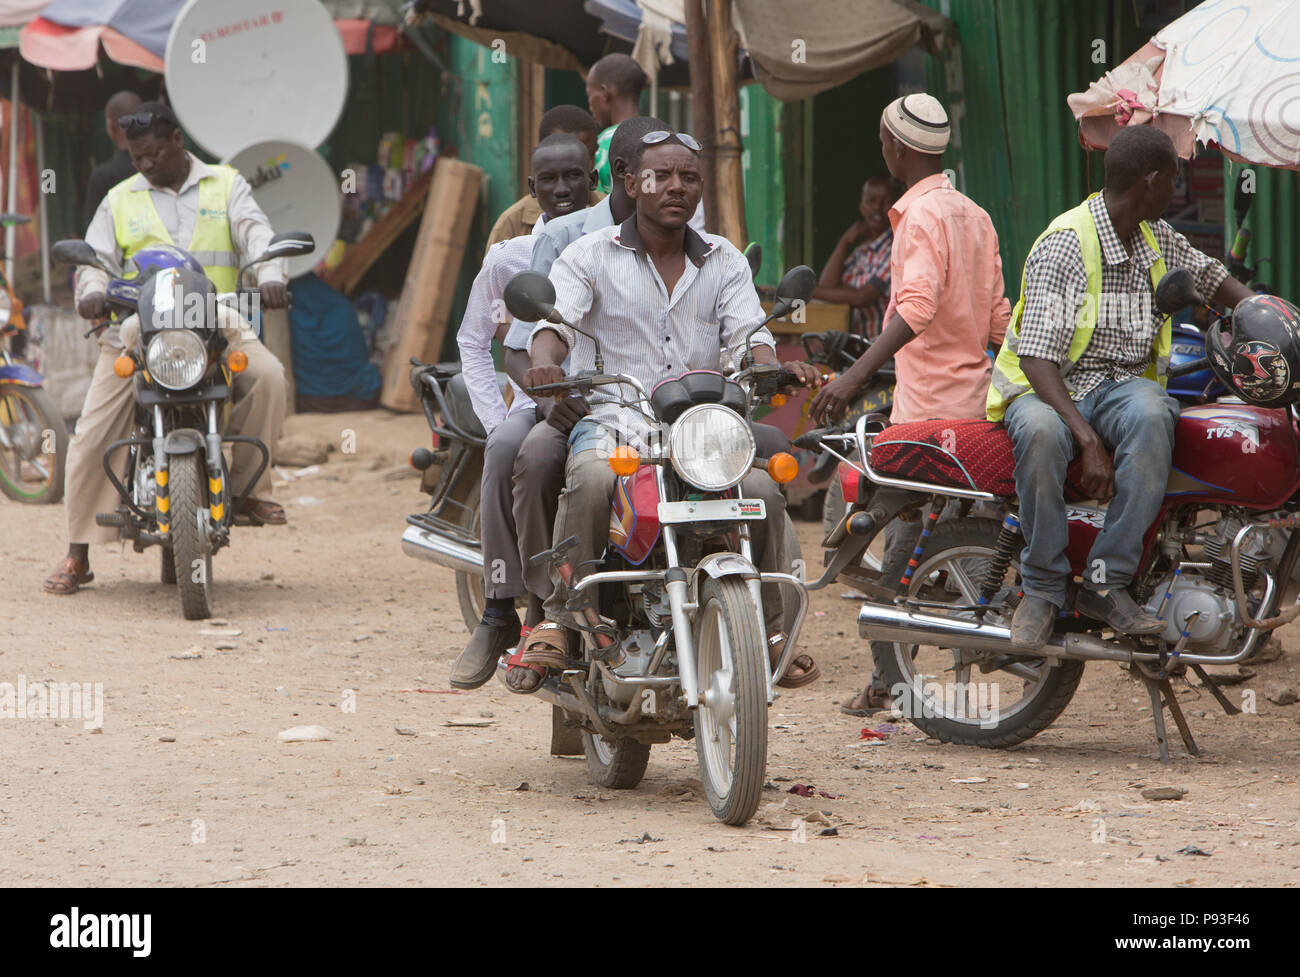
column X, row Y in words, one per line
column 918, row 121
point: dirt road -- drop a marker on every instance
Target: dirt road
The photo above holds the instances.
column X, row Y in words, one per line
column 188, row 785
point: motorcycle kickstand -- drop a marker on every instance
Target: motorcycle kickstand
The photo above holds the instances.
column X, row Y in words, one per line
column 1209, row 682
column 1158, row 716
column 1162, row 697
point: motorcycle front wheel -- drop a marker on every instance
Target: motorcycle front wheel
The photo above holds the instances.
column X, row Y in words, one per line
column 731, row 720
column 34, row 448
column 945, row 693
column 191, row 553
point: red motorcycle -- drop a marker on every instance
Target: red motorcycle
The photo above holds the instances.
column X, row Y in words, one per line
column 1217, row 563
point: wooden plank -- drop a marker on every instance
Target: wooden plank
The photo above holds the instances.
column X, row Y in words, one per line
column 358, row 258
column 422, row 311
column 818, row 317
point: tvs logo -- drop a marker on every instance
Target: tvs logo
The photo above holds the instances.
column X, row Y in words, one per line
column 1259, row 370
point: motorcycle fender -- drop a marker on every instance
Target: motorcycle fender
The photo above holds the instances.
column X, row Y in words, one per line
column 718, row 565
column 21, row 374
column 184, row 441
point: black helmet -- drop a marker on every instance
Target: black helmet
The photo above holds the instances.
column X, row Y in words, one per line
column 1259, row 361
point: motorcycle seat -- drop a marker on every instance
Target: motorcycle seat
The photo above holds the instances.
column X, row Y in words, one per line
column 965, row 454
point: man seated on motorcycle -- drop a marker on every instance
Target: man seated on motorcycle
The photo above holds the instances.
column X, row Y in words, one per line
column 561, row 180
column 1082, row 372
column 209, row 209
column 652, row 289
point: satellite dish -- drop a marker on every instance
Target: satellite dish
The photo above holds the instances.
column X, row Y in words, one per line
column 244, row 71
column 297, row 191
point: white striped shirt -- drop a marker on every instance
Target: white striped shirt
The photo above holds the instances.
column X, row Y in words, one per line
column 607, row 285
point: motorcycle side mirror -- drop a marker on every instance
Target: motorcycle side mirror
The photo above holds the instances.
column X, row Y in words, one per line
column 288, row 244
column 530, row 297
column 1177, row 290
column 74, row 252
column 754, row 255
column 795, row 287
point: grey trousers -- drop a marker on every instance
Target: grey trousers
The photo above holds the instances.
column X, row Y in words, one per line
column 502, row 573
column 538, row 478
column 584, row 512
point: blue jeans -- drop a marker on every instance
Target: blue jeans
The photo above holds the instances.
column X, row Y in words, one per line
column 1134, row 418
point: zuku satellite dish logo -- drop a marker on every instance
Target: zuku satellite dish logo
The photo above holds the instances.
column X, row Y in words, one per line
column 272, row 169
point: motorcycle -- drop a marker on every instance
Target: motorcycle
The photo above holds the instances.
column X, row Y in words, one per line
column 175, row 487
column 33, row 437
column 681, row 649
column 1218, row 562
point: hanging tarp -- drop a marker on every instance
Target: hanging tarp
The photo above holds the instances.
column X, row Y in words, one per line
column 802, row 48
column 1223, row 74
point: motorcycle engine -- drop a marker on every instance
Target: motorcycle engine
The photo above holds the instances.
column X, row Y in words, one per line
column 1218, row 626
column 145, row 487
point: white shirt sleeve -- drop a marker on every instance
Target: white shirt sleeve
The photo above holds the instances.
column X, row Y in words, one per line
column 101, row 236
column 739, row 309
column 474, row 338
column 251, row 232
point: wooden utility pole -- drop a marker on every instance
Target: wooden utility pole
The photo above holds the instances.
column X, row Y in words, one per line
column 697, row 40
column 729, row 177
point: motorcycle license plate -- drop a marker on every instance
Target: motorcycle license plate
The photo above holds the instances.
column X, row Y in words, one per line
column 711, row 510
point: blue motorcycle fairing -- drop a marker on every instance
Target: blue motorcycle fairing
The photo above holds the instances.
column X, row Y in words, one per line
column 21, row 374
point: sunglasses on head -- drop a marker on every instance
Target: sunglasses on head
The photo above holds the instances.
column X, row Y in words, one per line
column 138, row 122
column 659, row 135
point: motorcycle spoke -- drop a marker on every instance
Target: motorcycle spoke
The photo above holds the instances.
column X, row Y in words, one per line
column 968, row 587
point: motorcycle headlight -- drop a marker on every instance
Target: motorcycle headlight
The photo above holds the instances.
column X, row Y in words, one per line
column 711, row 447
column 176, row 358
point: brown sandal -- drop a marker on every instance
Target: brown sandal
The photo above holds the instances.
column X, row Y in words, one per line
column 263, row 512
column 546, row 647
column 68, row 577
column 808, row 670
column 868, row 702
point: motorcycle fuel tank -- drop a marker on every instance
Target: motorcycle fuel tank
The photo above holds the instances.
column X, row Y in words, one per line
column 634, row 518
column 1236, row 454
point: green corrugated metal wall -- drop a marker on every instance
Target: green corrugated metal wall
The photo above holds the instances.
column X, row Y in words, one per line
column 1272, row 220
column 1017, row 150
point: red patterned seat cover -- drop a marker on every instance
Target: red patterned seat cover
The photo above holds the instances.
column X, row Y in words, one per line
column 968, row 454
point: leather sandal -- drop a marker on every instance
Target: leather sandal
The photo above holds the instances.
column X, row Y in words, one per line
column 263, row 512
column 68, row 577
column 546, row 647
column 808, row 669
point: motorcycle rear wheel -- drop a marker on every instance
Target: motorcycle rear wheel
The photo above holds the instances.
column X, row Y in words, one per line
column 731, row 720
column 191, row 553
column 956, row 554
column 34, row 410
column 619, row 765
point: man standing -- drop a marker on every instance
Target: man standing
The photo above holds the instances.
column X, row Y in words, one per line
column 521, row 216
column 614, row 87
column 663, row 299
column 1082, row 371
column 858, row 274
column 209, row 210
column 118, row 167
column 947, row 305
column 560, row 180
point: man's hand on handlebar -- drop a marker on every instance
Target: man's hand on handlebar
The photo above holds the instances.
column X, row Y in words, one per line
column 805, row 374
column 93, row 306
column 540, row 375
column 274, row 295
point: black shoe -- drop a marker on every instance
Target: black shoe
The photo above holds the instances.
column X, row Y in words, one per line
column 1031, row 627
column 1119, row 610
column 479, row 659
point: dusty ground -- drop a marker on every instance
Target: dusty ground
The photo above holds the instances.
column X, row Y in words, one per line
column 187, row 784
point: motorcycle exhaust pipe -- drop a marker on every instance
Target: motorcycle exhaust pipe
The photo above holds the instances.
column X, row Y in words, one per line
column 424, row 545
column 881, row 622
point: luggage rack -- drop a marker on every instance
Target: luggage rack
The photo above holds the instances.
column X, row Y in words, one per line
column 432, row 523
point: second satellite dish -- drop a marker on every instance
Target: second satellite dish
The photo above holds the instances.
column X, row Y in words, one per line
column 243, row 71
column 297, row 191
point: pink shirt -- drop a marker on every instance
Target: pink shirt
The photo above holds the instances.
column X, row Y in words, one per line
column 946, row 283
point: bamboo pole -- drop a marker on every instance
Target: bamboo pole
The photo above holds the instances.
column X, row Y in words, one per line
column 729, row 174
column 697, row 41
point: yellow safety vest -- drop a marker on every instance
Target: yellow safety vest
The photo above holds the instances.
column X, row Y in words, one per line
column 1009, row 381
column 137, row 225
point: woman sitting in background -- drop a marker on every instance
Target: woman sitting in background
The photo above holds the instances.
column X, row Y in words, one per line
column 859, row 276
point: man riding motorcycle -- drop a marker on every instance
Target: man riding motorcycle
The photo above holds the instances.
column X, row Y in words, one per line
column 662, row 298
column 1082, row 370
column 210, row 211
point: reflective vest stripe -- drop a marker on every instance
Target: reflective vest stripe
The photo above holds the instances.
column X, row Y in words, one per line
column 137, row 225
column 1009, row 380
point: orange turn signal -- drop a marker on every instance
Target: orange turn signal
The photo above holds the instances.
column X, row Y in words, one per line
column 124, row 366
column 237, row 361
column 778, row 400
column 624, row 461
column 783, row 467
